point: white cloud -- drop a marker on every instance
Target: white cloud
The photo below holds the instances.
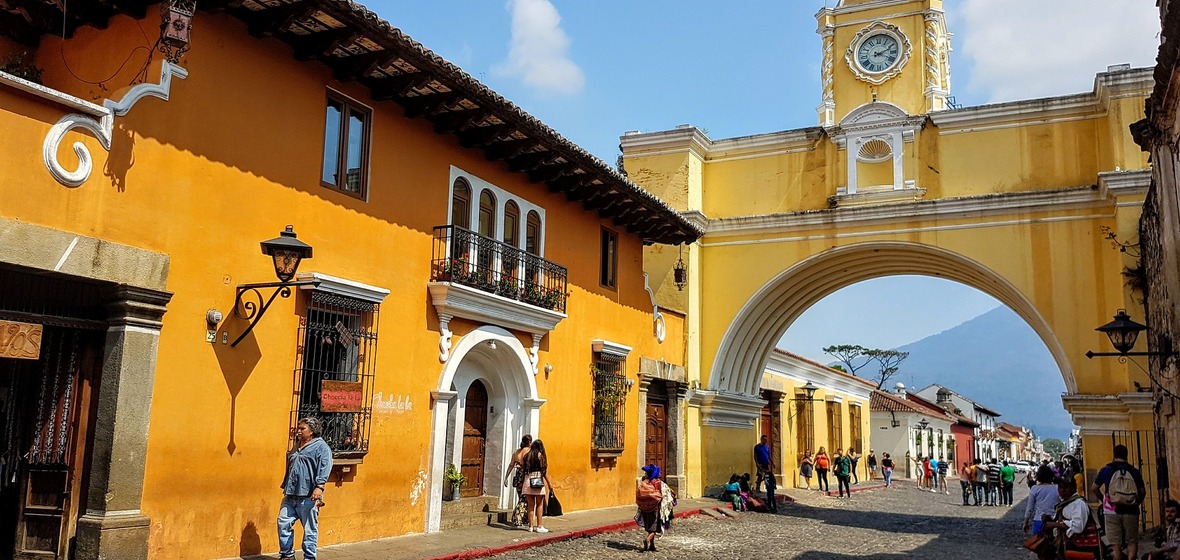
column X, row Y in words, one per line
column 1020, row 49
column 538, row 50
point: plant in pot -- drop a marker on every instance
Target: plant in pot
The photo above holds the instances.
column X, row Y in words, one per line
column 455, row 480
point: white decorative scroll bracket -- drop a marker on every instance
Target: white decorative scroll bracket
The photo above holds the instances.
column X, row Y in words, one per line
column 660, row 327
column 534, row 359
column 102, row 127
column 444, row 337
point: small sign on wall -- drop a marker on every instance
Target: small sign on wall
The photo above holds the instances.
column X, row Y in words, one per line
column 341, row 396
column 20, row 340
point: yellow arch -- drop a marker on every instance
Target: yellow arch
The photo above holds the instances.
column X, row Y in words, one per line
column 761, row 322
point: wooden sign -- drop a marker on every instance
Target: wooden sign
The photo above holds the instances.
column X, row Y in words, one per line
column 20, row 340
column 341, row 396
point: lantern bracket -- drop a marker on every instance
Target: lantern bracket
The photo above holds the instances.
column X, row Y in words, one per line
column 249, row 305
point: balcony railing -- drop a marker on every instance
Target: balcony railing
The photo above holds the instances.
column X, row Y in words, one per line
column 465, row 257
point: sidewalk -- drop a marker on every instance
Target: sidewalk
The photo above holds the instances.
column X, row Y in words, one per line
column 486, row 540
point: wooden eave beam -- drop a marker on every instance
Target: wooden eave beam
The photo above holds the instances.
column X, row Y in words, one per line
column 505, row 149
column 421, row 105
column 272, row 21
column 529, row 161
column 601, row 201
column 480, row 136
column 451, row 122
column 549, row 172
column 45, row 18
column 359, row 66
column 320, row 45
column 19, row 29
column 395, row 87
column 570, row 181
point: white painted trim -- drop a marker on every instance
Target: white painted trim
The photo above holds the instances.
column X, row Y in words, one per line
column 101, row 127
column 613, row 349
column 457, row 300
column 659, row 327
column 344, row 287
column 502, row 198
column 727, row 410
column 801, row 371
column 980, row 206
column 53, row 95
column 878, row 27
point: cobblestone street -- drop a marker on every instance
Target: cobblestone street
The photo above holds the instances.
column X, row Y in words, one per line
column 884, row 524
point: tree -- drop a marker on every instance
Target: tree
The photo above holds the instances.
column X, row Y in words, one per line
column 848, row 354
column 1054, row 446
column 888, row 362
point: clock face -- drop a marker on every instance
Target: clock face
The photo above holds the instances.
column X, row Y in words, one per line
column 878, row 53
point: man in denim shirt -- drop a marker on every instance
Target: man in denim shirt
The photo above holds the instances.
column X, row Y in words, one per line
column 308, row 467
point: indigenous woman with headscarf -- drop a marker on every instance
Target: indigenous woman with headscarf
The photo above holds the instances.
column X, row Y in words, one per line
column 655, row 500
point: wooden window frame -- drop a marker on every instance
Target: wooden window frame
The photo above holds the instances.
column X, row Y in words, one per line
column 855, row 433
column 348, row 105
column 835, row 425
column 609, row 426
column 461, row 186
column 608, row 263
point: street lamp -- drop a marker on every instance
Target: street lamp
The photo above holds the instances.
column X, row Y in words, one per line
column 680, row 272
column 286, row 252
column 809, row 390
column 923, row 424
column 1123, row 333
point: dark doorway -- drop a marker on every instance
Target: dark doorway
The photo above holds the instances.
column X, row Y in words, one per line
column 475, row 435
column 656, row 446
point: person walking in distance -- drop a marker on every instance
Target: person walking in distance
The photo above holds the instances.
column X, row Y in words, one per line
column 979, row 470
column 536, row 485
column 842, row 467
column 762, row 461
column 1121, row 486
column 1007, row 480
column 943, row 470
column 855, row 458
column 887, row 469
column 822, row 462
column 993, row 483
column 649, row 495
column 965, row 481
column 771, row 497
column 872, row 459
column 806, row 466
column 933, row 474
column 308, row 467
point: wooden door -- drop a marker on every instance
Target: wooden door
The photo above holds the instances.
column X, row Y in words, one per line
column 656, row 449
column 475, row 428
column 47, row 425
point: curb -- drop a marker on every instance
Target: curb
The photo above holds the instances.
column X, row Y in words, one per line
column 551, row 539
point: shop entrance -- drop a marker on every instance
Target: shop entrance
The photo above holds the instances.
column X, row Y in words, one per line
column 49, row 367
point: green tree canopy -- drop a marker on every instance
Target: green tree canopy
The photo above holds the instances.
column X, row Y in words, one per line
column 1054, row 446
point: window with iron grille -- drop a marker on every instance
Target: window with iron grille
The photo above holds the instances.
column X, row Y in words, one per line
column 835, row 427
column 334, row 370
column 610, row 398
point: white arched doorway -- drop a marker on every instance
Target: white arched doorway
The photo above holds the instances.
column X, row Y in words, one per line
column 499, row 363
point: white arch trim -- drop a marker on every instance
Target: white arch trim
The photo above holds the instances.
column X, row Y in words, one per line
column 511, row 369
column 754, row 332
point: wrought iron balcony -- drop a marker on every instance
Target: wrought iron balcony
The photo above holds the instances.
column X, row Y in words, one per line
column 464, row 257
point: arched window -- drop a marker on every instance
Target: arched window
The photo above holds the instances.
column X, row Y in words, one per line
column 512, row 224
column 532, row 234
column 461, row 204
column 487, row 214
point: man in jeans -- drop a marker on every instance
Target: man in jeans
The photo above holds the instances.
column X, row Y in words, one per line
column 1122, row 489
column 993, row 483
column 762, row 460
column 980, row 482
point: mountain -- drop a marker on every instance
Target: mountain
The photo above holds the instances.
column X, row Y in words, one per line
column 997, row 360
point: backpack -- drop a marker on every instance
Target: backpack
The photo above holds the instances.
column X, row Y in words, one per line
column 1122, row 488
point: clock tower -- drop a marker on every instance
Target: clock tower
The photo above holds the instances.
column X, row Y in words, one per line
column 895, row 51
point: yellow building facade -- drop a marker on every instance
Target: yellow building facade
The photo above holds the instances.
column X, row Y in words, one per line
column 475, row 277
column 1014, row 199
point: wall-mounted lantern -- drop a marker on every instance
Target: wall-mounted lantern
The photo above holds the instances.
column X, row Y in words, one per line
column 286, row 252
column 1123, row 333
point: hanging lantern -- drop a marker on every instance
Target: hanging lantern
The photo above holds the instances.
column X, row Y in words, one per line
column 680, row 272
column 176, row 24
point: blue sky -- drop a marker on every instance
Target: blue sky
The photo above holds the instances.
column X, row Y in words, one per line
column 593, row 70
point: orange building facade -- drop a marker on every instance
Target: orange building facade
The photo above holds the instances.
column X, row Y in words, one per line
column 475, row 277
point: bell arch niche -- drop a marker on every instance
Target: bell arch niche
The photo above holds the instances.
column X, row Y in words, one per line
column 874, row 138
column 732, row 397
